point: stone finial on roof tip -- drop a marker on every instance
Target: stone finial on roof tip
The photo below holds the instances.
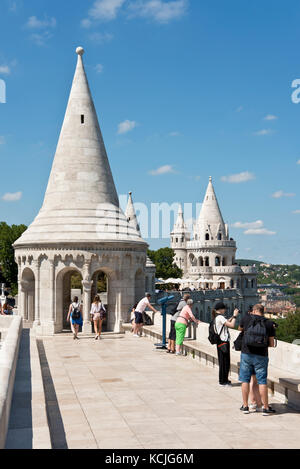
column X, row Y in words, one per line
column 80, row 51
column 210, row 178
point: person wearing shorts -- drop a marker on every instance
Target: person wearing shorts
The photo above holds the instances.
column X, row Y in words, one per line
column 98, row 313
column 181, row 325
column 142, row 305
column 172, row 335
column 255, row 360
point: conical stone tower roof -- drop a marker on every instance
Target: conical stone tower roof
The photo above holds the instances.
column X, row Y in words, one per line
column 81, row 202
column 210, row 218
column 131, row 214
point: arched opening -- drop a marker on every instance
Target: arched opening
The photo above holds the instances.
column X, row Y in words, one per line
column 219, row 236
column 139, row 285
column 68, row 285
column 218, row 261
column 201, row 261
column 224, row 261
column 193, row 260
column 207, row 237
column 207, row 262
column 28, row 295
column 231, row 284
column 100, row 286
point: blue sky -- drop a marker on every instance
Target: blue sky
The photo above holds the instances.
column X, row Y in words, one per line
column 199, row 88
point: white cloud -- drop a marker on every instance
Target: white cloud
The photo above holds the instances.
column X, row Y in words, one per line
column 280, row 194
column 34, row 23
column 2, row 140
column 4, row 70
column 42, row 29
column 248, row 225
column 263, row 132
column 298, row 162
column 239, row 109
column 86, row 23
column 296, row 211
column 253, row 228
column 270, row 117
column 158, row 10
column 238, row 178
column 99, row 68
column 260, row 231
column 12, row 197
column 105, row 10
column 126, row 126
column 174, row 134
column 100, row 38
column 167, row 169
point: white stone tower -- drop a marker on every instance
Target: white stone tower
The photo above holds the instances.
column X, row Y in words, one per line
column 179, row 238
column 210, row 255
column 80, row 227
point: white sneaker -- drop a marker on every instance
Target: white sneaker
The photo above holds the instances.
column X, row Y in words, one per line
column 253, row 407
column 136, row 335
column 178, row 353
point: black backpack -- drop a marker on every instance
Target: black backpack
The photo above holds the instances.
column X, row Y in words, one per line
column 76, row 312
column 256, row 333
column 213, row 336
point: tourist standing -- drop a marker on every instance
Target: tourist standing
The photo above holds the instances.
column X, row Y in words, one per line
column 98, row 313
column 172, row 335
column 75, row 316
column 259, row 335
column 6, row 309
column 222, row 325
column 142, row 305
column 182, row 322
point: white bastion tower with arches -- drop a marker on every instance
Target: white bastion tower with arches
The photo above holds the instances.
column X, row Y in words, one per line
column 208, row 257
column 79, row 229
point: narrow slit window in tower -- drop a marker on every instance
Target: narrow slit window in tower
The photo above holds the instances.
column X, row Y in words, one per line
column 82, row 118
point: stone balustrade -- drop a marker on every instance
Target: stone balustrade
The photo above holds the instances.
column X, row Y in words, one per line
column 8, row 362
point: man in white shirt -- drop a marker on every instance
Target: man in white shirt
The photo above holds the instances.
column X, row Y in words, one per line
column 142, row 305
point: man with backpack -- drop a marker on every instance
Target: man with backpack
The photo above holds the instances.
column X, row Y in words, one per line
column 258, row 336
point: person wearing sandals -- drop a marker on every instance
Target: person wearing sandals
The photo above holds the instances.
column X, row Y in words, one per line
column 172, row 335
column 75, row 316
column 223, row 347
column 181, row 324
column 98, row 313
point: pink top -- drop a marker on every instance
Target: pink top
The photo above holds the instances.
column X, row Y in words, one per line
column 187, row 314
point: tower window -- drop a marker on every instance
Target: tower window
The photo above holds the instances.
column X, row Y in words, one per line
column 82, row 118
column 207, row 237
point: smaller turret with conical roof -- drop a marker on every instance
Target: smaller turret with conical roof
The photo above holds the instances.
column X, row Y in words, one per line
column 179, row 237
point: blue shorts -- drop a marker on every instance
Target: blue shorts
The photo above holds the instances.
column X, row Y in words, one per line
column 138, row 318
column 253, row 365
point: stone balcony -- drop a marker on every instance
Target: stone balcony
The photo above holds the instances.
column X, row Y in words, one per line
column 210, row 244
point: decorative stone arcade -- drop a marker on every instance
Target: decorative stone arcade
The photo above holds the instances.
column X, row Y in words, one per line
column 80, row 228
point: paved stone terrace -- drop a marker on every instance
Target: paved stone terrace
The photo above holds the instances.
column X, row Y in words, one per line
column 122, row 393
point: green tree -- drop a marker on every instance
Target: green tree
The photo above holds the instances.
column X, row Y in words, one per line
column 9, row 269
column 289, row 329
column 164, row 261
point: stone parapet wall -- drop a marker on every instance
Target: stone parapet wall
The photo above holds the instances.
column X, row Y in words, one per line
column 8, row 362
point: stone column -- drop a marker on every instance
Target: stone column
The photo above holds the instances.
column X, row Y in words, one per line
column 23, row 299
column 87, row 288
column 37, row 293
column 52, row 289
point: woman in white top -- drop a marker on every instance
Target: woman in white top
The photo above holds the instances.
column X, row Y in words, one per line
column 98, row 313
column 223, row 346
